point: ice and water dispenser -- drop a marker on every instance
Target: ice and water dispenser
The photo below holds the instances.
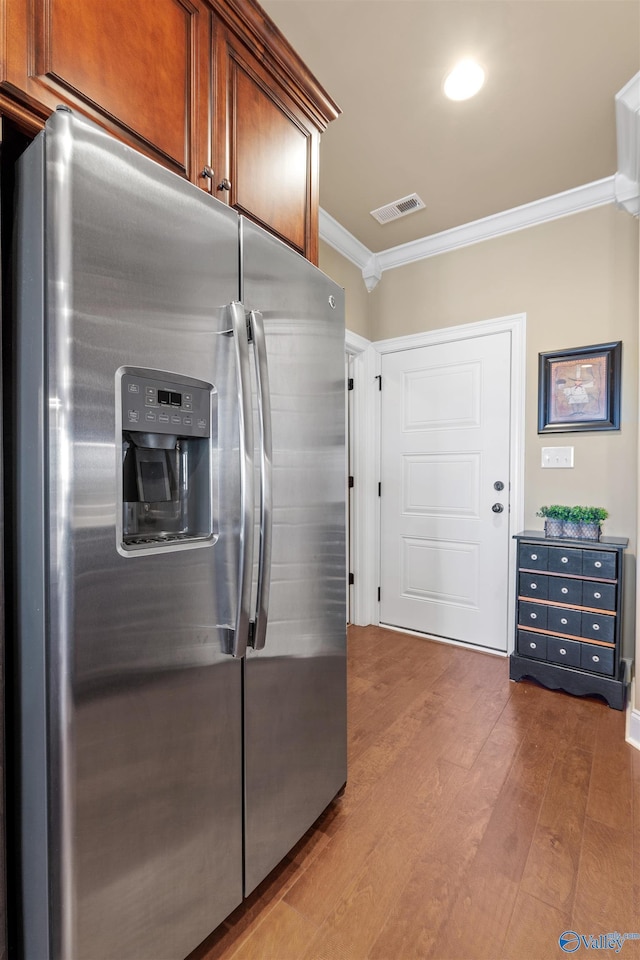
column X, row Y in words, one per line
column 168, row 434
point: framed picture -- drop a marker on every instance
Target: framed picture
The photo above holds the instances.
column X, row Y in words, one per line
column 580, row 389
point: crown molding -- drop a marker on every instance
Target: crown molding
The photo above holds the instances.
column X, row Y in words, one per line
column 341, row 240
column 508, row 221
column 622, row 189
column 373, row 265
column 627, row 182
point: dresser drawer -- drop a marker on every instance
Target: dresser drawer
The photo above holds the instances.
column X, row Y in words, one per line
column 563, row 590
column 599, row 563
column 598, row 626
column 565, row 561
column 532, row 645
column 600, row 595
column 532, row 557
column 533, row 585
column 532, row 615
column 566, row 652
column 561, row 620
column 596, row 659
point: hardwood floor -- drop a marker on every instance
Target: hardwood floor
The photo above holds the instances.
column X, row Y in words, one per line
column 481, row 819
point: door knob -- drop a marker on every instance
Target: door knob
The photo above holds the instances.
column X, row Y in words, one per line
column 497, row 508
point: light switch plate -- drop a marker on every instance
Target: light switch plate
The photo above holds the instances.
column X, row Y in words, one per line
column 557, row 457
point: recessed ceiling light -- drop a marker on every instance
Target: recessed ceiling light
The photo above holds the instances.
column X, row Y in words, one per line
column 464, row 81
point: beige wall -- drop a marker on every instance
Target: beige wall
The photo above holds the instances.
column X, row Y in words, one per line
column 576, row 279
column 350, row 277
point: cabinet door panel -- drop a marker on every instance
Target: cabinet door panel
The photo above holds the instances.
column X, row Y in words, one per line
column 270, row 159
column 140, row 69
column 268, row 149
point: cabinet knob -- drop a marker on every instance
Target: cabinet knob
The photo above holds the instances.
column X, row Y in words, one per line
column 533, row 645
column 596, row 626
column 534, row 556
column 565, row 559
column 563, row 651
column 595, row 659
column 564, row 621
column 224, row 184
column 597, row 564
column 207, row 173
column 534, row 616
column 534, row 586
column 565, row 590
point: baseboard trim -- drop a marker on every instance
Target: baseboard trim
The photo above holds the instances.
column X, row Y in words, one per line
column 632, row 734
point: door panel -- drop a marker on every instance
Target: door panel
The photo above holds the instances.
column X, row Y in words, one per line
column 295, row 688
column 445, row 442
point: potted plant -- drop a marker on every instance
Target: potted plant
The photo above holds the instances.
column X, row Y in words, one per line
column 590, row 520
column 573, row 523
column 554, row 517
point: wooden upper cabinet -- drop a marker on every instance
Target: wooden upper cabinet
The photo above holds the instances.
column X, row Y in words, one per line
column 194, row 84
column 141, row 69
column 267, row 148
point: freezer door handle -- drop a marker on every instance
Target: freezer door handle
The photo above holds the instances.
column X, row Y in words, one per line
column 245, row 417
column 266, row 497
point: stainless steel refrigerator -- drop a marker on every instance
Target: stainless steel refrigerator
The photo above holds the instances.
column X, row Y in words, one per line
column 181, row 551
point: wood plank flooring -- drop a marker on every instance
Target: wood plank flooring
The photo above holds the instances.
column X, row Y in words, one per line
column 481, row 819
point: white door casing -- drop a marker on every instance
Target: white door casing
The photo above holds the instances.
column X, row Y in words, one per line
column 446, row 557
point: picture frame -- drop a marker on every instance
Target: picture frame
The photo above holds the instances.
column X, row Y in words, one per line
column 579, row 389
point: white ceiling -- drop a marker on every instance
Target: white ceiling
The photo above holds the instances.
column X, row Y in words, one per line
column 543, row 123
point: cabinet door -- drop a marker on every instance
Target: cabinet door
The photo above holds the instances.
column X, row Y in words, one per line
column 266, row 147
column 139, row 69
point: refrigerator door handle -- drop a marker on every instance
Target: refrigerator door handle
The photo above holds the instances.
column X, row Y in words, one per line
column 266, row 497
column 245, row 418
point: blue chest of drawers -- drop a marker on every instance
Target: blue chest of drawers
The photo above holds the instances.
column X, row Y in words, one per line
column 569, row 615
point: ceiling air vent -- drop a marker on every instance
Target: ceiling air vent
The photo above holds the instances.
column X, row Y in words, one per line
column 399, row 208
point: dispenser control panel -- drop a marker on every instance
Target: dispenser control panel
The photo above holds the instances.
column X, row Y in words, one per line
column 161, row 406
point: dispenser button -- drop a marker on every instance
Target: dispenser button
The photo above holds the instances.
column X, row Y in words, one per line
column 176, row 419
column 134, row 388
column 187, row 397
column 150, row 391
column 150, row 415
column 202, row 423
column 163, row 418
column 134, row 416
column 187, row 421
column 187, row 406
column 150, row 401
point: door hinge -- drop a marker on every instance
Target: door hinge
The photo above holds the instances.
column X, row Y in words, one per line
column 351, row 482
column 379, row 489
column 379, row 379
column 352, row 579
column 350, row 383
column 378, row 594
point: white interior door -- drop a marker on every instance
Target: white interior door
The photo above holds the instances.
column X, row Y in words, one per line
column 445, row 423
